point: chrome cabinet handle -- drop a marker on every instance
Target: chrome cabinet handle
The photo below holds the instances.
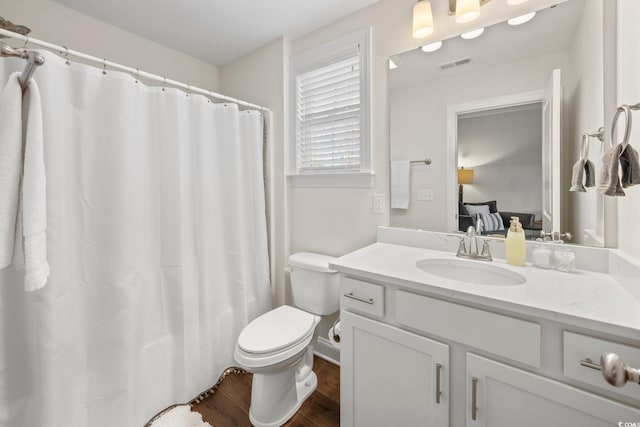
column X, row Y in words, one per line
column 613, row 369
column 357, row 298
column 438, row 392
column 474, row 398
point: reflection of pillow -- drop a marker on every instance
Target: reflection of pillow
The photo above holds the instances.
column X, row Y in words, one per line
column 462, row 209
column 492, row 222
column 474, row 210
column 493, row 205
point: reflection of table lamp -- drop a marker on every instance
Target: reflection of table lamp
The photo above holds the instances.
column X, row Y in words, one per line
column 465, row 176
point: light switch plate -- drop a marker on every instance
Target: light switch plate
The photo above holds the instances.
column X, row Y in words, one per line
column 378, row 203
column 425, row 195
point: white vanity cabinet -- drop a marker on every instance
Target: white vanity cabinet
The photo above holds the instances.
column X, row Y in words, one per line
column 409, row 358
column 499, row 395
column 391, row 377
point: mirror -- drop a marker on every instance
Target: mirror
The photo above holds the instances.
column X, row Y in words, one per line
column 510, row 108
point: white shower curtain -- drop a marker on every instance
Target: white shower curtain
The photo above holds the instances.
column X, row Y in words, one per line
column 158, row 250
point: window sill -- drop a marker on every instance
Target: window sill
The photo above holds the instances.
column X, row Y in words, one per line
column 333, row 180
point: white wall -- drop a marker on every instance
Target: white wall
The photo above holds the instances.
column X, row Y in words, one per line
column 629, row 93
column 584, row 90
column 505, row 152
column 60, row 25
column 418, row 128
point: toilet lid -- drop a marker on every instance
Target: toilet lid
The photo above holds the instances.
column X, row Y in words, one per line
column 276, row 329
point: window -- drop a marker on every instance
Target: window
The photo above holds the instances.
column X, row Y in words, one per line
column 330, row 114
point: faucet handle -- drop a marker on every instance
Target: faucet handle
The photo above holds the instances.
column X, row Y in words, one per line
column 462, row 247
column 486, row 251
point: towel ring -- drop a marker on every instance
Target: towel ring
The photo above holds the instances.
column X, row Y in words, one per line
column 627, row 131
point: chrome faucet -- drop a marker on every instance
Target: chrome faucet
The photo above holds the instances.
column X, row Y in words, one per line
column 472, row 253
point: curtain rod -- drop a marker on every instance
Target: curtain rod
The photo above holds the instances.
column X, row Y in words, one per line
column 134, row 71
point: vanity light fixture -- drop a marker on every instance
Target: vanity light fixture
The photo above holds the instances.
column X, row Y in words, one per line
column 472, row 34
column 515, row 2
column 432, row 47
column 422, row 19
column 467, row 10
column 519, row 20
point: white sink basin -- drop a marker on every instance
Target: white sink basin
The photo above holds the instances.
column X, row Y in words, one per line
column 471, row 271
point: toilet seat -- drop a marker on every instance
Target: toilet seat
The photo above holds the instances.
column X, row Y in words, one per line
column 275, row 336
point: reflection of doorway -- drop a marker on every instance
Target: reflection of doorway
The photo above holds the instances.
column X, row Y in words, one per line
column 503, row 147
column 549, row 100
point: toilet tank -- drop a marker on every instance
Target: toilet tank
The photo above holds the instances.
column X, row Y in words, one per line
column 314, row 286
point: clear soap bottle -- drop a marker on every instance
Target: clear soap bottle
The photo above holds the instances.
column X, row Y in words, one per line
column 515, row 243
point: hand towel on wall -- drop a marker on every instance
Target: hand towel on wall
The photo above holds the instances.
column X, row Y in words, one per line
column 609, row 184
column 10, row 165
column 630, row 167
column 32, row 216
column 582, row 175
column 400, row 184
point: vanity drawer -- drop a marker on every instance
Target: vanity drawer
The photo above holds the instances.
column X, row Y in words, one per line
column 362, row 296
column 505, row 336
column 580, row 347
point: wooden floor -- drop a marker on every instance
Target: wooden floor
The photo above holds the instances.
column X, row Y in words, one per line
column 229, row 405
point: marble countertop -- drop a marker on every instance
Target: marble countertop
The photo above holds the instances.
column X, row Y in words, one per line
column 584, row 299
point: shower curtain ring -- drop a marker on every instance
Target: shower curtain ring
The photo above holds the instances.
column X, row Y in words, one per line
column 66, row 55
column 164, row 83
column 137, row 74
column 26, row 42
column 104, row 66
column 188, row 90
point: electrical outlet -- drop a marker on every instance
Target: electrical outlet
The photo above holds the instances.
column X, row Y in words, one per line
column 378, row 203
column 425, row 195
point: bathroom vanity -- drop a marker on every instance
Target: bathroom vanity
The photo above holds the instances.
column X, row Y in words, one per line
column 431, row 340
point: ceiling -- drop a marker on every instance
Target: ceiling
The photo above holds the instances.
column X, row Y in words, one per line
column 217, row 31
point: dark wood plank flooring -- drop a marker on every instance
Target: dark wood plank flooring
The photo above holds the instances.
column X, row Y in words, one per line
column 229, row 405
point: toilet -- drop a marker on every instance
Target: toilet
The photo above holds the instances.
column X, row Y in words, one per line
column 277, row 347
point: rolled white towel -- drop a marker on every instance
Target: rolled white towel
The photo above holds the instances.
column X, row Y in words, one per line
column 180, row 416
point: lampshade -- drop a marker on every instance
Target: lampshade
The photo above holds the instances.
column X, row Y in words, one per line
column 467, row 10
column 465, row 176
column 422, row 19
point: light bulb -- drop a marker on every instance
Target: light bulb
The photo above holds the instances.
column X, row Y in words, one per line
column 422, row 19
column 467, row 10
column 431, row 47
column 472, row 34
column 519, row 20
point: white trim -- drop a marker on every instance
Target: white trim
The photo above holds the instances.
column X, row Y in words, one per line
column 453, row 111
column 334, row 179
column 317, row 57
column 327, row 351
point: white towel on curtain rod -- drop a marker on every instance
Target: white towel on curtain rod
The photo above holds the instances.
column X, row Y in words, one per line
column 157, row 246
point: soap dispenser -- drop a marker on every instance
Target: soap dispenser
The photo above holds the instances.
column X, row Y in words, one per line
column 515, row 243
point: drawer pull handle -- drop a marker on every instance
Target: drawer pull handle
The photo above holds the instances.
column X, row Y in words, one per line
column 438, row 392
column 613, row 369
column 588, row 363
column 357, row 298
column 474, row 398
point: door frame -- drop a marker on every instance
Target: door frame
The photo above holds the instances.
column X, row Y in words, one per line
column 453, row 111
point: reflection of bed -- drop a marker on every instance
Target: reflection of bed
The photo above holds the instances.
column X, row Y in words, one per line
column 530, row 226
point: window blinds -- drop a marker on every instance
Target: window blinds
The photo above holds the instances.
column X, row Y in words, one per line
column 328, row 112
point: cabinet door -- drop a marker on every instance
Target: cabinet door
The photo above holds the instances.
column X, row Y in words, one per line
column 507, row 397
column 390, row 377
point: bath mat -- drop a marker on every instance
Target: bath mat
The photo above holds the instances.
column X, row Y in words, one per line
column 179, row 416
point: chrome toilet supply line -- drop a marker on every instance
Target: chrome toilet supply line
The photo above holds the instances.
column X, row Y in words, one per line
column 34, row 60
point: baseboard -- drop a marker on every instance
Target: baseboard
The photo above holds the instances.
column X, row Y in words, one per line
column 325, row 350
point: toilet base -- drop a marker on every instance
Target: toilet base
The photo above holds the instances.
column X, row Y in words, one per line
column 277, row 394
